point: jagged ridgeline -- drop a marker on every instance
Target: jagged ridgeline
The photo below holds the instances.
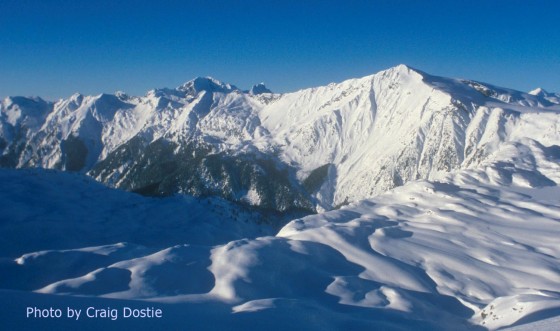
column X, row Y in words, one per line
column 164, row 168
column 313, row 149
column 124, row 142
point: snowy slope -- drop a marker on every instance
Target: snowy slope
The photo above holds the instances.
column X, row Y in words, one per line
column 43, row 210
column 395, row 126
column 478, row 248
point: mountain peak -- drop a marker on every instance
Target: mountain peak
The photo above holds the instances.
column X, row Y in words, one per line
column 208, row 84
column 121, row 95
column 76, row 98
column 538, row 91
column 402, row 66
column 402, row 70
column 259, row 88
column 23, row 101
column 542, row 94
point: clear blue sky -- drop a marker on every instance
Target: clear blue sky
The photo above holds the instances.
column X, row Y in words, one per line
column 53, row 48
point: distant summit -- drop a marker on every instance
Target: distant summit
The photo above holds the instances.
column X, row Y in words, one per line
column 547, row 96
column 207, row 84
column 538, row 91
column 259, row 89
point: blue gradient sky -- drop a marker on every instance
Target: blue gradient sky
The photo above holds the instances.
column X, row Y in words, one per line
column 54, row 48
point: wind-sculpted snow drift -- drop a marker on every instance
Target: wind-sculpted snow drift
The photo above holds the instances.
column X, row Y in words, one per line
column 468, row 239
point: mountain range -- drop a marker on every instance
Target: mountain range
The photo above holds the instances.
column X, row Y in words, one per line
column 406, row 201
column 313, row 149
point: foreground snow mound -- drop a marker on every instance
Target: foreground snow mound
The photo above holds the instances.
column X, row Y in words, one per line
column 476, row 249
column 493, row 250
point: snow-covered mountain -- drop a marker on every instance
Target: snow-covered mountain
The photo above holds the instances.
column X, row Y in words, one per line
column 449, row 188
column 312, row 149
column 550, row 97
